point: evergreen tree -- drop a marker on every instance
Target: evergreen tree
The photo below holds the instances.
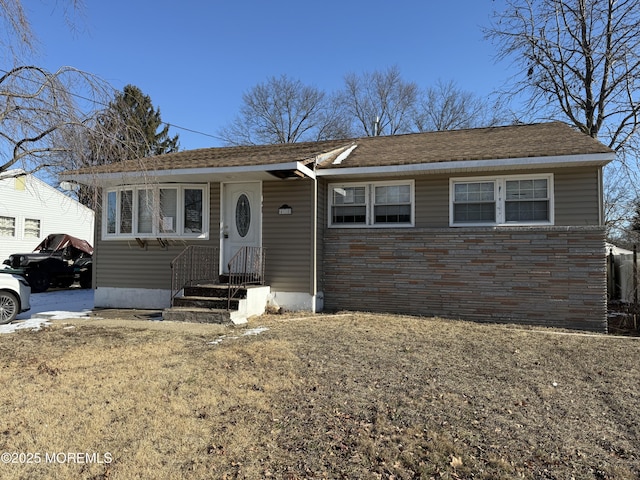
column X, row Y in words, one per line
column 129, row 128
column 133, row 127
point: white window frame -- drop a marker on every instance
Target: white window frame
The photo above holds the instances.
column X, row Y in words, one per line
column 10, row 226
column 157, row 232
column 28, row 228
column 370, row 204
column 500, row 183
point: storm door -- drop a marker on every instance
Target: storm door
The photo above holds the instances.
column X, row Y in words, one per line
column 242, row 213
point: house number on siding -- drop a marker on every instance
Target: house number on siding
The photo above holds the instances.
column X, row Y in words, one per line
column 243, row 215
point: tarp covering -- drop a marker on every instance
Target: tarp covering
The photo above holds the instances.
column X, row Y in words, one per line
column 60, row 241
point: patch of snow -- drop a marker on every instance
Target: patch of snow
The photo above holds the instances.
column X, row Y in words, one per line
column 31, row 323
column 252, row 331
column 54, row 305
column 255, row 331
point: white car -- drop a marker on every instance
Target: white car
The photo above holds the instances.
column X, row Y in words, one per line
column 15, row 294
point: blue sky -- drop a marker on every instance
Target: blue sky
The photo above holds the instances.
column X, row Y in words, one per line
column 195, row 59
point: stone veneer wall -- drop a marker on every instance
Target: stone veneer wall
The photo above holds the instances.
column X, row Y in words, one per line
column 552, row 276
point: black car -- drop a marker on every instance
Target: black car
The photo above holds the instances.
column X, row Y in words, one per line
column 58, row 261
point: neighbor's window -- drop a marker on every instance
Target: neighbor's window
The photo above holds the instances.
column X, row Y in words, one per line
column 505, row 200
column 31, row 228
column 7, row 227
column 371, row 204
column 160, row 211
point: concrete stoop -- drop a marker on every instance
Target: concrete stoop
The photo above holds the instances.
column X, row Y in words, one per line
column 207, row 304
column 197, row 315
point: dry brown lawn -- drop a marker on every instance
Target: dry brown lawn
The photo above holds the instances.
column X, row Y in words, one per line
column 353, row 396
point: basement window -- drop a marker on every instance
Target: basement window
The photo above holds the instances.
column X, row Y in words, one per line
column 167, row 211
column 376, row 204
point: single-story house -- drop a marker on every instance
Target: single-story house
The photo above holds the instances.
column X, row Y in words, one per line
column 500, row 224
column 31, row 209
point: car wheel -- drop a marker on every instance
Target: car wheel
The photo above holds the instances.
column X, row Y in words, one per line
column 85, row 279
column 39, row 280
column 8, row 307
column 65, row 282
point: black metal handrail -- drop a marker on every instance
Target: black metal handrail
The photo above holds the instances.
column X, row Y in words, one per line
column 246, row 267
column 195, row 264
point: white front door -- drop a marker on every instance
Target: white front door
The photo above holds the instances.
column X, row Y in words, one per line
column 241, row 222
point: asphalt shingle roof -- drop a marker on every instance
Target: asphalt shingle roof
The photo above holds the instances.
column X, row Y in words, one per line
column 517, row 141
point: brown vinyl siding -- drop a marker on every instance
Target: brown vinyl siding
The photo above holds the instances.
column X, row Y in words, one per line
column 321, row 219
column 575, row 193
column 124, row 264
column 576, row 196
column 288, row 239
column 432, row 201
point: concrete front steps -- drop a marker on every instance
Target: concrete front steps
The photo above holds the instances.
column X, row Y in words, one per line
column 208, row 304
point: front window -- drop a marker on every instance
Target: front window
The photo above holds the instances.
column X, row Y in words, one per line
column 392, row 204
column 474, row 202
column 126, row 212
column 527, row 200
column 349, row 206
column 145, row 211
column 505, row 200
column 168, row 210
column 111, row 212
column 193, row 211
column 160, row 211
column 377, row 204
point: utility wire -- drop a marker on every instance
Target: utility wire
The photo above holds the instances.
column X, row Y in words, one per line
column 106, row 105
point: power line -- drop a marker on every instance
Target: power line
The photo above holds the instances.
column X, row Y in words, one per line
column 106, row 105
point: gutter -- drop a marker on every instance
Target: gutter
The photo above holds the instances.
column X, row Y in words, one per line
column 469, row 165
column 91, row 178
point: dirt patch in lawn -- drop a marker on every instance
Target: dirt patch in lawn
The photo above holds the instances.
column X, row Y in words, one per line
column 327, row 396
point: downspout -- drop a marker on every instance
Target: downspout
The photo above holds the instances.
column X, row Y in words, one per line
column 600, row 197
column 314, row 243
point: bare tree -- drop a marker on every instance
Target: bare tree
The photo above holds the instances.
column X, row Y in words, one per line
column 42, row 118
column 578, row 61
column 44, row 114
column 17, row 39
column 283, row 110
column 380, row 102
column 447, row 107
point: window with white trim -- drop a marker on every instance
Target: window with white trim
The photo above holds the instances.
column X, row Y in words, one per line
column 7, row 227
column 504, row 200
column 31, row 228
column 374, row 204
column 156, row 211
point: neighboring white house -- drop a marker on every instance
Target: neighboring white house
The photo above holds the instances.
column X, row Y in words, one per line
column 30, row 209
